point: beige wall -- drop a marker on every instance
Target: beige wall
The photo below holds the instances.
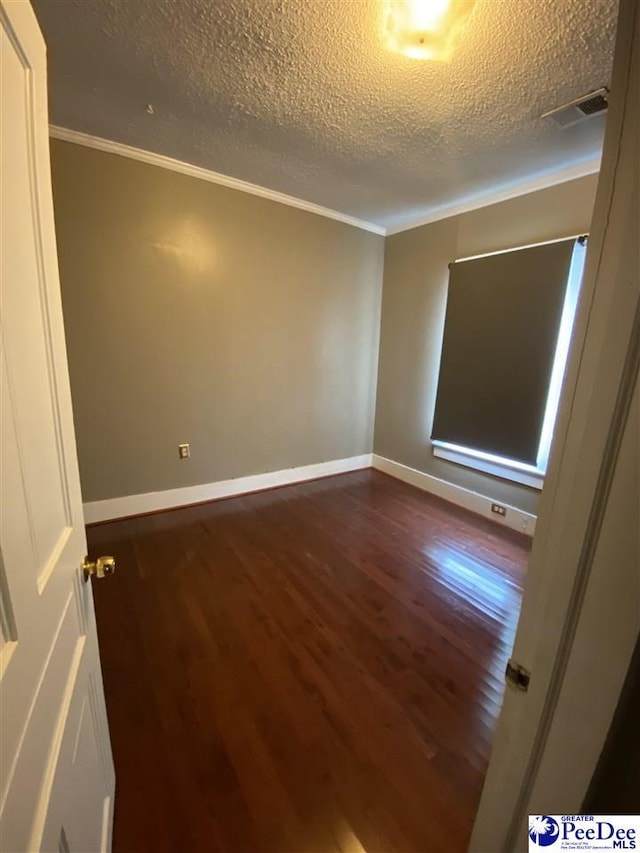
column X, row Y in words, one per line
column 413, row 308
column 196, row 313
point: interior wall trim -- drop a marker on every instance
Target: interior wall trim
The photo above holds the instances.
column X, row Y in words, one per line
column 111, row 147
column 129, row 505
column 524, row 187
column 494, row 196
column 516, row 519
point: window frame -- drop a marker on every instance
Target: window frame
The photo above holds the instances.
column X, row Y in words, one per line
column 512, row 469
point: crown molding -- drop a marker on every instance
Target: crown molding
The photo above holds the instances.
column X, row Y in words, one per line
column 531, row 185
column 111, row 147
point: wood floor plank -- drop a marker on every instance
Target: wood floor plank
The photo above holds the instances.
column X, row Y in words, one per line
column 312, row 669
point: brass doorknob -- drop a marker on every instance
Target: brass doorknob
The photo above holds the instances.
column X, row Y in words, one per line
column 101, row 568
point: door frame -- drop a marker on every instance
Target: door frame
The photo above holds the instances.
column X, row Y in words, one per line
column 596, row 399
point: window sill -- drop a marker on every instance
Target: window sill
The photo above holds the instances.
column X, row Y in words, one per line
column 526, row 475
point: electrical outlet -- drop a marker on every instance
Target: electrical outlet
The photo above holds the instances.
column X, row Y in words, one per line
column 184, row 451
column 498, row 509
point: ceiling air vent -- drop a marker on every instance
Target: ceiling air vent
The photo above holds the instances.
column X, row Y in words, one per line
column 581, row 109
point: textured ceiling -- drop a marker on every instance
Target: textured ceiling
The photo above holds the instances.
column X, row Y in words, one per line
column 303, row 97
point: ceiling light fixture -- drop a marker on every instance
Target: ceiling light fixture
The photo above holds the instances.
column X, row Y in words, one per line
column 426, row 29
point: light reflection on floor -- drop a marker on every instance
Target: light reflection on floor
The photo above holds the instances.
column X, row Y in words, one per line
column 477, row 583
column 484, row 588
column 346, row 839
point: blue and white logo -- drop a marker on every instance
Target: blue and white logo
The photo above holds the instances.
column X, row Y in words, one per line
column 583, row 832
column 543, row 830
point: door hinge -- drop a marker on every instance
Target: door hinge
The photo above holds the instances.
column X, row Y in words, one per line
column 517, row 676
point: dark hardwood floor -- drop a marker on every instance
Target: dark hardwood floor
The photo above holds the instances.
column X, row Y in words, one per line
column 312, row 669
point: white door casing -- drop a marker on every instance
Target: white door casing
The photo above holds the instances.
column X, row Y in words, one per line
column 548, row 740
column 56, row 770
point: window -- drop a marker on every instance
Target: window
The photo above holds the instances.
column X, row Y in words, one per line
column 507, row 333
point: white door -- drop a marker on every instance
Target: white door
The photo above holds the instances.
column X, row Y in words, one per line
column 56, row 770
column 581, row 608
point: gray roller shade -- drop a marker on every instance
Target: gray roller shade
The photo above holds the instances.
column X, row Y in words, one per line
column 501, row 328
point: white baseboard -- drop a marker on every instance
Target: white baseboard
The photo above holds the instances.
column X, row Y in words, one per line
column 515, row 518
column 107, row 825
column 113, row 508
column 108, row 510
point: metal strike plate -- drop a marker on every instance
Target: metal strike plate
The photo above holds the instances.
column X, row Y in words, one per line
column 517, row 676
column 101, row 568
